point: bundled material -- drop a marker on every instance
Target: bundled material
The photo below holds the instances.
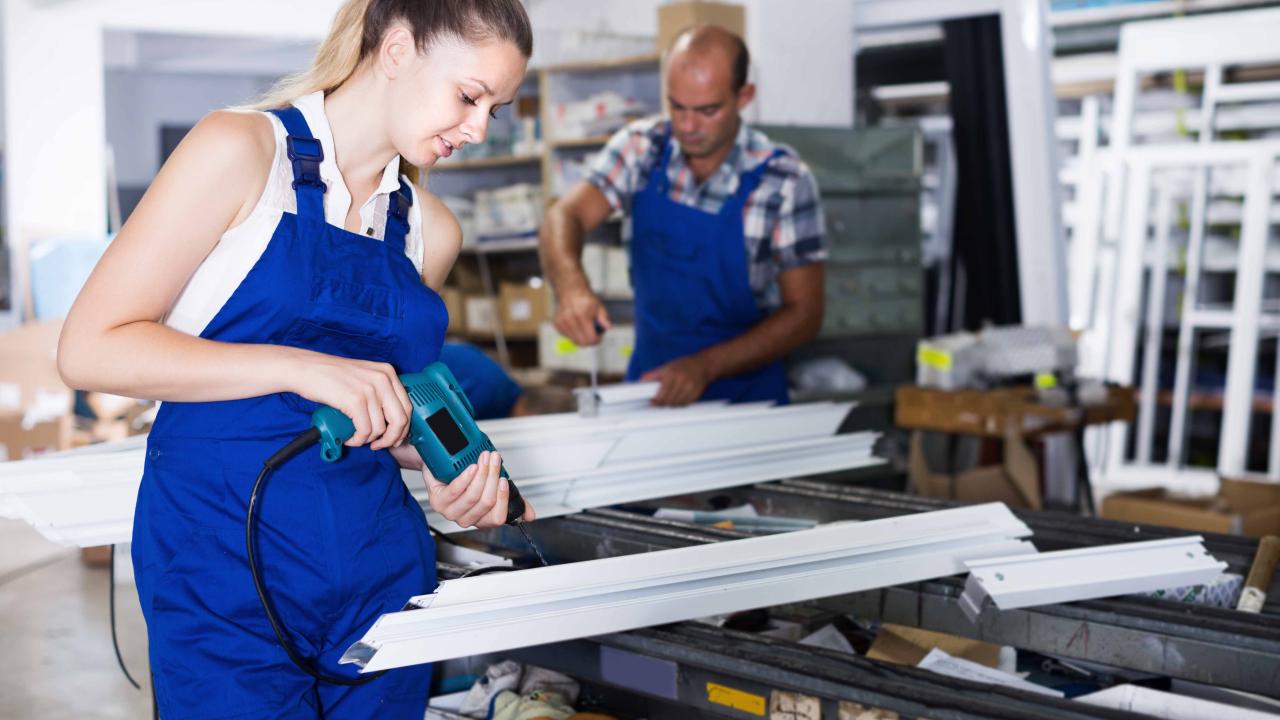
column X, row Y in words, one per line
column 598, row 114
column 966, row 360
column 508, row 212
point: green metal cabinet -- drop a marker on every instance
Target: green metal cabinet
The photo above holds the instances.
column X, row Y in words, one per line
column 869, row 180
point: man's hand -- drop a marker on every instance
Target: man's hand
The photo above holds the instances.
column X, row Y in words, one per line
column 577, row 314
column 683, row 381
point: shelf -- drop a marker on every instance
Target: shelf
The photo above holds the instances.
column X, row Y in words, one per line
column 1212, row 400
column 579, row 142
column 600, row 65
column 488, row 162
column 489, row 338
column 501, row 246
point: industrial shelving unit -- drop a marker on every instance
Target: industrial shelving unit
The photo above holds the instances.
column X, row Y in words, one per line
column 515, row 258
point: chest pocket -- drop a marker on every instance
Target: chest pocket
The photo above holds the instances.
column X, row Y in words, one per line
column 349, row 319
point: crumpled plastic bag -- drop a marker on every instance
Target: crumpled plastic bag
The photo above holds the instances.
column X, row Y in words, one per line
column 498, row 678
column 538, row 705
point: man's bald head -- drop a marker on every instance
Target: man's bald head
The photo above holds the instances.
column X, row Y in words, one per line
column 709, row 42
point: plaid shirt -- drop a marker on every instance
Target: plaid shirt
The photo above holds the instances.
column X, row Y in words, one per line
column 782, row 219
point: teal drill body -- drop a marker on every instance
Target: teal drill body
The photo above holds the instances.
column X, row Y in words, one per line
column 442, row 428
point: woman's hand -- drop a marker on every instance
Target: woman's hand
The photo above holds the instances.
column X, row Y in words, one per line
column 477, row 497
column 369, row 393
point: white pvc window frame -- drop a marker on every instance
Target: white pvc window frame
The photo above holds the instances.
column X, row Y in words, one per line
column 557, row 495
column 87, row 497
column 505, row 611
column 1087, row 573
column 1243, row 320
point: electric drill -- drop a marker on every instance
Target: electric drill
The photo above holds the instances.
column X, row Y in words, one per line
column 442, row 428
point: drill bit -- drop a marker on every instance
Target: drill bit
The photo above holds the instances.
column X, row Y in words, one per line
column 529, row 539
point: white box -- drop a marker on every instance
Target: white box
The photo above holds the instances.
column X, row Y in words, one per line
column 482, row 315
column 595, row 267
column 508, row 211
column 557, row 352
column 617, row 273
column 619, row 344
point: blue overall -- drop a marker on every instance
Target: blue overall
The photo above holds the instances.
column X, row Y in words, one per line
column 689, row 272
column 339, row 543
column 490, row 389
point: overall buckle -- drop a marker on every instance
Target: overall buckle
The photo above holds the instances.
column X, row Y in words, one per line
column 399, row 202
column 305, row 153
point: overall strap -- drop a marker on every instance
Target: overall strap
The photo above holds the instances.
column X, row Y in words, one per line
column 398, row 204
column 750, row 180
column 658, row 180
column 305, row 152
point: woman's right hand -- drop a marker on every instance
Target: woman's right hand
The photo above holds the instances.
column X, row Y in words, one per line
column 370, row 393
column 578, row 312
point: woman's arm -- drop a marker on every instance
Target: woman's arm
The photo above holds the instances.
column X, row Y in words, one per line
column 113, row 340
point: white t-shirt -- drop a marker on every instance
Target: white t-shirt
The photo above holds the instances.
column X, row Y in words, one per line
column 239, row 248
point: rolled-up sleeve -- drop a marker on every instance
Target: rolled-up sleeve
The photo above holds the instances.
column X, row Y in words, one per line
column 615, row 171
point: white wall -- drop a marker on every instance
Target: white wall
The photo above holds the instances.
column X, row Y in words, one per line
column 139, row 103
column 625, row 17
column 802, row 53
column 802, row 50
column 52, row 71
column 53, row 76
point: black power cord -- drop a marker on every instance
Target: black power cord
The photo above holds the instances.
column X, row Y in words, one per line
column 111, row 603
column 295, row 446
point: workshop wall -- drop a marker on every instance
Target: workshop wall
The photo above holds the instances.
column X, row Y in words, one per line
column 54, row 117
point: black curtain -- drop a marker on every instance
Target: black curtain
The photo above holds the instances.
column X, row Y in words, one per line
column 984, row 259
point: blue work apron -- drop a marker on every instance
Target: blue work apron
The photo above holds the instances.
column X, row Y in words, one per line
column 339, row 543
column 692, row 291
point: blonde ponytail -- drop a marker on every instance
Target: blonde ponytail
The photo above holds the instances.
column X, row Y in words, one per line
column 336, row 60
column 358, row 28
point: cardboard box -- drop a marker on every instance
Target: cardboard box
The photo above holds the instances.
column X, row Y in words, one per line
column 523, row 308
column 1241, row 507
column 29, row 364
column 456, row 307
column 465, row 275
column 35, row 405
column 907, row 646
column 1015, row 482
column 482, row 315
column 20, row 443
column 677, row 16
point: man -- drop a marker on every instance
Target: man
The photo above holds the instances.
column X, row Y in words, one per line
column 724, row 231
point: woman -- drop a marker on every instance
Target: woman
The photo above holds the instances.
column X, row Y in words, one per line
column 279, row 262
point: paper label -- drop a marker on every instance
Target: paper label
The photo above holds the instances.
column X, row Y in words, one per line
column 736, row 699
column 1046, row 381
column 521, row 309
column 565, row 346
column 933, row 358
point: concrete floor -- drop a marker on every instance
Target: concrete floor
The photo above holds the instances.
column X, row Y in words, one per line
column 57, row 657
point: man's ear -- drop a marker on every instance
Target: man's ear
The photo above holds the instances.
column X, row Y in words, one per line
column 745, row 95
column 396, row 50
